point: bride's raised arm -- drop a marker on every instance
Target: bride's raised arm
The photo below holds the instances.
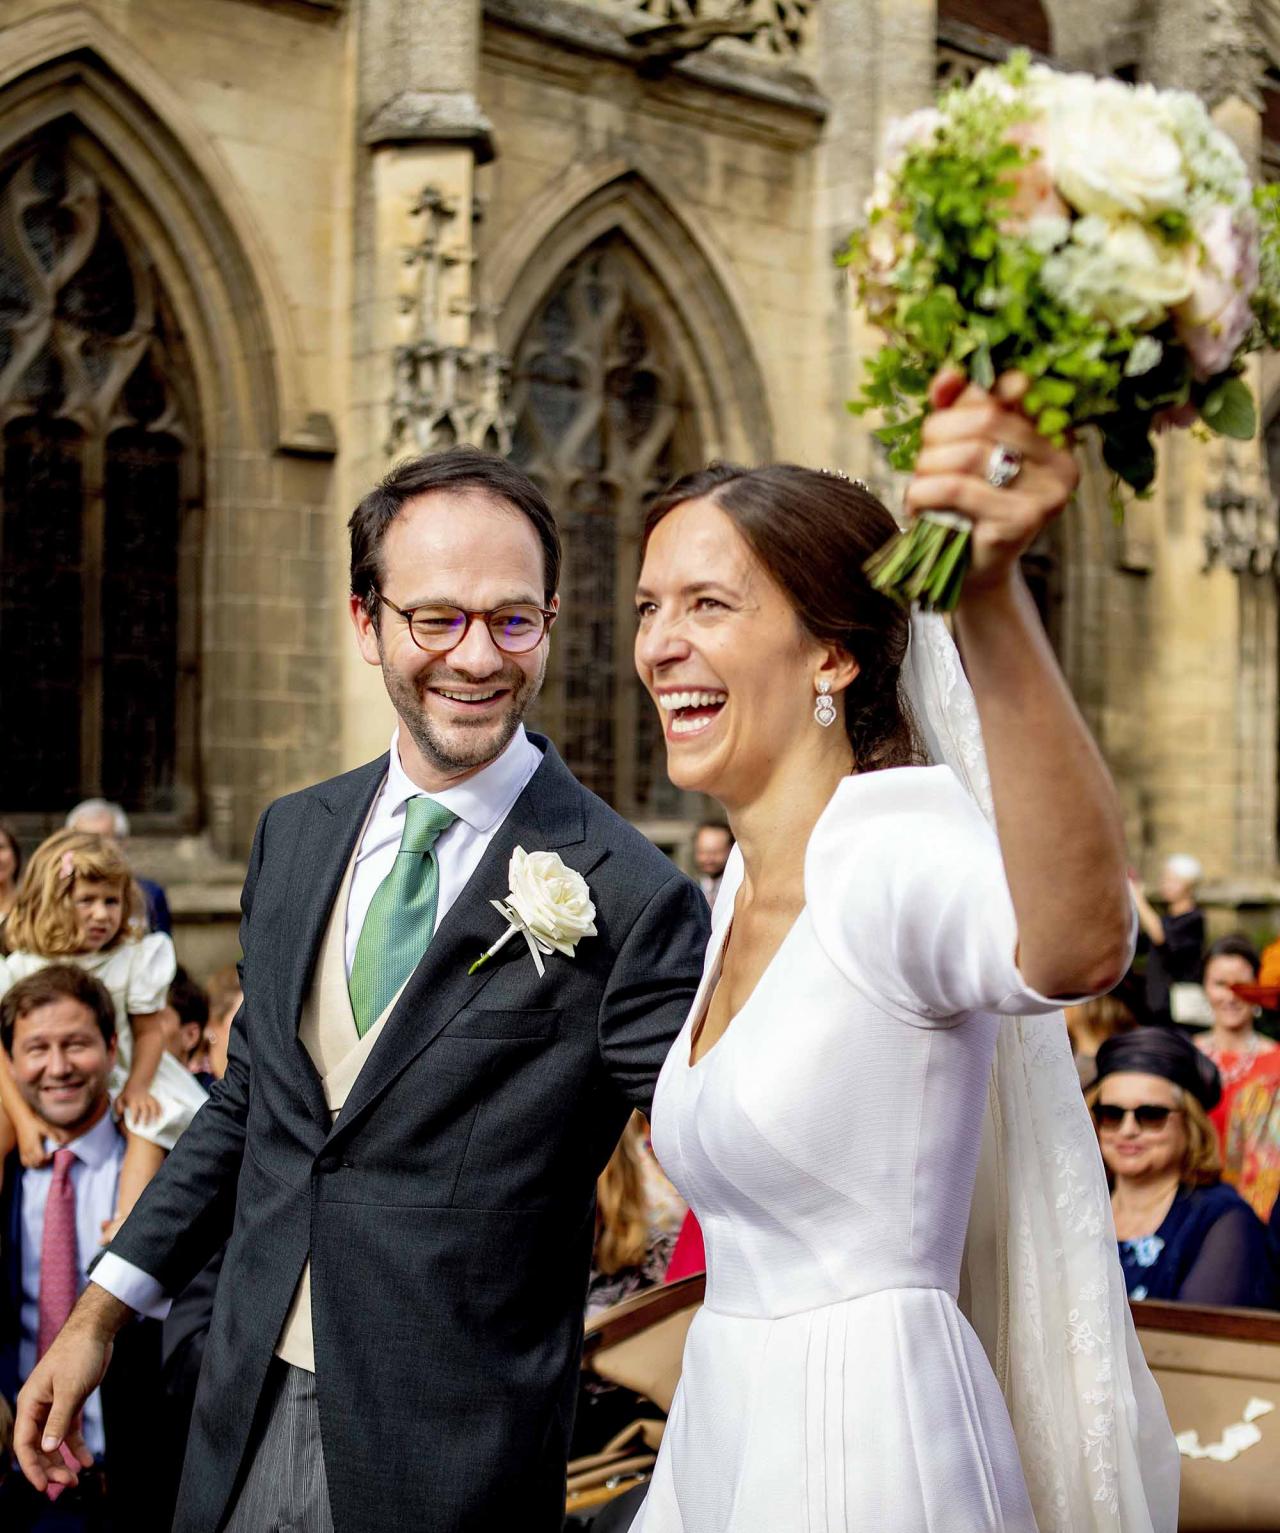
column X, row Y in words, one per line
column 1057, row 811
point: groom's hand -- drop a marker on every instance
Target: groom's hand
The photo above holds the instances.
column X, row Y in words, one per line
column 966, row 425
column 52, row 1399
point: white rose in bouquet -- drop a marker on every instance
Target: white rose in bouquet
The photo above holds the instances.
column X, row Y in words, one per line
column 1112, row 149
column 904, row 133
column 1217, row 316
column 1116, row 270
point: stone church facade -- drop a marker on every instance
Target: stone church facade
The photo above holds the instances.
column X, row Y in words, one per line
column 253, row 252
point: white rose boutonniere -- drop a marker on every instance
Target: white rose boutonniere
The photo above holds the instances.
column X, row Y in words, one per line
column 549, row 905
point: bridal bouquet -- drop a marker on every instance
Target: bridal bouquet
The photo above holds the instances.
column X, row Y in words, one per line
column 1101, row 238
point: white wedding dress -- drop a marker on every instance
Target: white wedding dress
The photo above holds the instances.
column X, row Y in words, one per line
column 828, row 1144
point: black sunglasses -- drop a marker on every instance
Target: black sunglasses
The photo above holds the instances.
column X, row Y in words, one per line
column 1108, row 1115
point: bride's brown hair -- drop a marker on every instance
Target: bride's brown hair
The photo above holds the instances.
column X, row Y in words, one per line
column 813, row 532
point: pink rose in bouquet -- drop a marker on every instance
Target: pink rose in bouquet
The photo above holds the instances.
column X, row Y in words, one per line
column 1035, row 203
column 1216, row 318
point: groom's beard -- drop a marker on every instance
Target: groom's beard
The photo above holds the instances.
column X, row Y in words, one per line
column 459, row 744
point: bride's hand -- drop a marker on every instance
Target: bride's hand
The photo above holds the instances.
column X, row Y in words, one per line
column 967, row 423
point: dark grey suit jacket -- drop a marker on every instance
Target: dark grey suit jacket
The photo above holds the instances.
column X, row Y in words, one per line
column 448, row 1212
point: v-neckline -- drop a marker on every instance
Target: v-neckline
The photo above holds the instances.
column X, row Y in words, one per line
column 711, row 984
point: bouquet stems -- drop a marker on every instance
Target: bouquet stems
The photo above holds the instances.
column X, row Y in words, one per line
column 926, row 564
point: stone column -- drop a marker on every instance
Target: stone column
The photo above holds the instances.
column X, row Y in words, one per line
column 424, row 372
column 874, row 62
column 1210, row 694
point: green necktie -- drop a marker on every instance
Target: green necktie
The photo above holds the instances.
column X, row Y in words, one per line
column 402, row 917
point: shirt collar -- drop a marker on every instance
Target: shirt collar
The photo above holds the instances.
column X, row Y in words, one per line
column 482, row 800
column 96, row 1146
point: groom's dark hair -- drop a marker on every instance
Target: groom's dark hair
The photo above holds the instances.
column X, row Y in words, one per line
column 456, row 468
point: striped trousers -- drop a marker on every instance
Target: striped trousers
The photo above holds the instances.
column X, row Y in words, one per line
column 284, row 1488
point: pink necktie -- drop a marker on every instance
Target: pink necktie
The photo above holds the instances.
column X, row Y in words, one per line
column 59, row 1265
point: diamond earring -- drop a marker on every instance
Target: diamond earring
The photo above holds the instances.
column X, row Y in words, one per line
column 824, row 710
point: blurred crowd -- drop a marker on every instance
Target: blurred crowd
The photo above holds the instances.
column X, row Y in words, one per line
column 107, row 1050
column 109, row 1047
column 1181, row 1070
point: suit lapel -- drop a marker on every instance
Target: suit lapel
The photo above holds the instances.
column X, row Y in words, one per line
column 547, row 816
column 326, row 841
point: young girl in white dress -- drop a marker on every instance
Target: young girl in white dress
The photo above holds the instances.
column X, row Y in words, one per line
column 78, row 902
column 823, row 1109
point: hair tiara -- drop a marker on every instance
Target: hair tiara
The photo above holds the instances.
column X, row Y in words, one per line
column 839, row 473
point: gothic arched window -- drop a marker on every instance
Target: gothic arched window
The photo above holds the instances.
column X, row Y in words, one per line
column 99, row 498
column 603, row 422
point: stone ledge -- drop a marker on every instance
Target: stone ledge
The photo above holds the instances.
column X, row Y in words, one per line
column 586, row 30
column 203, row 902
column 425, row 117
column 313, row 436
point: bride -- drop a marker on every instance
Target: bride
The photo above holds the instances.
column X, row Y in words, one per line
column 877, row 1031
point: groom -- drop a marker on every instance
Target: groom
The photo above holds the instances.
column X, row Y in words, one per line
column 404, row 1154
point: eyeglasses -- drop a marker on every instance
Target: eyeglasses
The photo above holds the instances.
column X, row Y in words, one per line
column 1148, row 1116
column 515, row 629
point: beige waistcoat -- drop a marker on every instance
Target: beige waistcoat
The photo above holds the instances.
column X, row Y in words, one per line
column 327, row 1030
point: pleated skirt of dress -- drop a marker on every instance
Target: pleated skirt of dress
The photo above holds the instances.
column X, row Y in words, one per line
column 874, row 1415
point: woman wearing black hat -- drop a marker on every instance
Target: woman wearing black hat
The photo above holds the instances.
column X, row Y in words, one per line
column 1183, row 1233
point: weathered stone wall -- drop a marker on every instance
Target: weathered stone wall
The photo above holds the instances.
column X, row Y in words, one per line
column 275, row 154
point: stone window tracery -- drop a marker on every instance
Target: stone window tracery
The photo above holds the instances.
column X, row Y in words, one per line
column 99, row 472
column 603, row 422
column 777, row 27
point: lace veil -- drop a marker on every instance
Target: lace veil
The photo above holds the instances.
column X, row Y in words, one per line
column 1041, row 1282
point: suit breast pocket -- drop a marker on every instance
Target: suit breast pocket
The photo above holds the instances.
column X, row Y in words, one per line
column 529, row 1023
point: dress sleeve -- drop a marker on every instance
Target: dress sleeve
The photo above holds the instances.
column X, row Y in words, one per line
column 1232, row 1266
column 907, row 892
column 150, row 975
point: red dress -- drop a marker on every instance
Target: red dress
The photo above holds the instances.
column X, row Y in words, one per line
column 1251, row 1155
column 1235, row 1066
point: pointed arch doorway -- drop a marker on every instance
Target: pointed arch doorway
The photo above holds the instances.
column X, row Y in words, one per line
column 605, row 419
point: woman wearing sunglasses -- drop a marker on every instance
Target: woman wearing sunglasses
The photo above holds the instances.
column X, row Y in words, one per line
column 1183, row 1233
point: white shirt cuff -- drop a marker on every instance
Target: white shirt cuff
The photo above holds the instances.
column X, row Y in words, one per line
column 131, row 1285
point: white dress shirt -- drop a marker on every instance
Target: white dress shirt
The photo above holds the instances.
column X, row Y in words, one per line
column 481, row 804
column 95, row 1177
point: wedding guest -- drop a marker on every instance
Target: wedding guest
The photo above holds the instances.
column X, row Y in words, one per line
column 1273, row 1241
column 100, row 817
column 188, row 1015
column 184, row 1331
column 1175, row 938
column 10, row 867
column 6, row 1440
column 75, row 905
column 712, row 843
column 58, row 1032
column 1089, row 1025
column 1183, row 1234
column 225, row 998
column 690, row 1254
column 638, row 1215
column 1233, row 1043
column 1251, row 1159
